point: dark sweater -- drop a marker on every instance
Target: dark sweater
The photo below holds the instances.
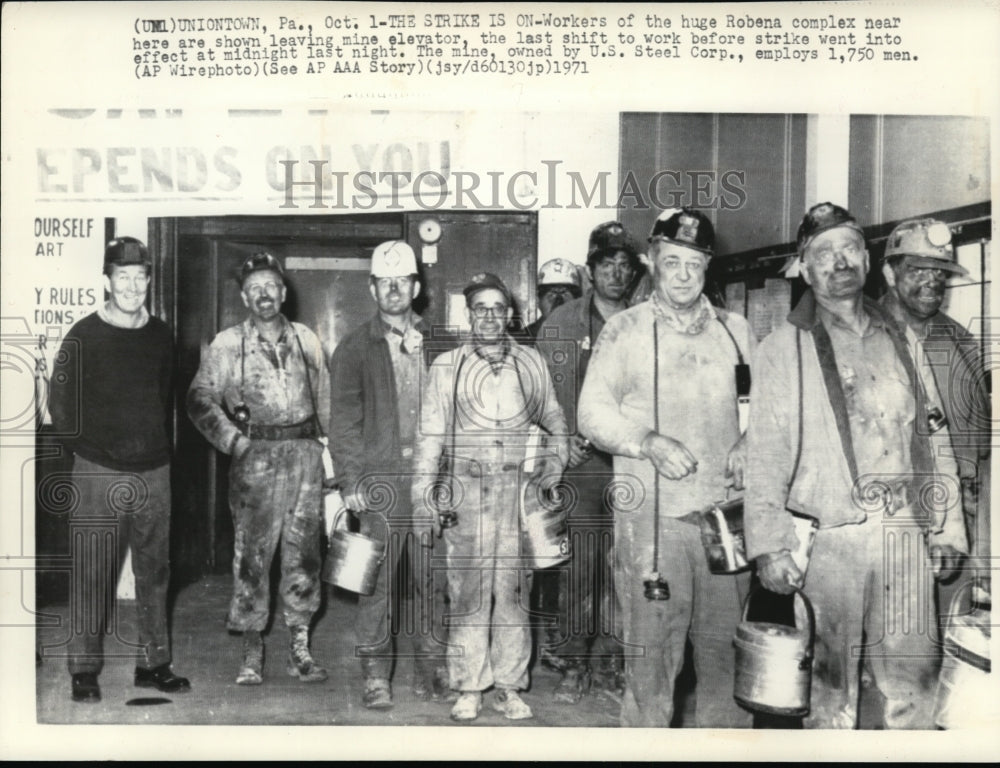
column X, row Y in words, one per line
column 109, row 395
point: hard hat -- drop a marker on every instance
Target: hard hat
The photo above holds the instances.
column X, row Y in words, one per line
column 820, row 218
column 125, row 252
column 687, row 227
column 611, row 237
column 928, row 244
column 394, row 259
column 481, row 282
column 258, row 262
column 559, row 272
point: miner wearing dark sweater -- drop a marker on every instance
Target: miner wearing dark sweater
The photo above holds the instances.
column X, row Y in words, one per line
column 109, row 400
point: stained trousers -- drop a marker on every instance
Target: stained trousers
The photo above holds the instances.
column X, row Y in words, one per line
column 118, row 511
column 872, row 590
column 425, row 594
column 275, row 495
column 702, row 604
column 489, row 641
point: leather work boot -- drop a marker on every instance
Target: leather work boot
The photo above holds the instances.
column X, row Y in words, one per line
column 252, row 671
column 378, row 693
column 300, row 662
column 162, row 678
column 85, row 688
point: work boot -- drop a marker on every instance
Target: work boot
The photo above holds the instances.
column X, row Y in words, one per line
column 378, row 693
column 467, row 706
column 162, row 678
column 300, row 662
column 442, row 689
column 507, row 702
column 574, row 684
column 252, row 671
column 85, row 688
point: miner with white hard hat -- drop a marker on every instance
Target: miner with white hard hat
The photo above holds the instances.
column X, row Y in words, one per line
column 918, row 261
column 558, row 282
column 376, row 372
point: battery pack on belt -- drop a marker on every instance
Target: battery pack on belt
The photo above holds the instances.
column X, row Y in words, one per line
column 302, row 430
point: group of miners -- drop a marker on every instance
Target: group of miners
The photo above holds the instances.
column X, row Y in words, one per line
column 866, row 416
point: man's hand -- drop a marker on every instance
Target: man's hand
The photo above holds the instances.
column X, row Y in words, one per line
column 579, row 451
column 240, row 447
column 778, row 572
column 669, row 456
column 736, row 462
column 945, row 561
column 548, row 473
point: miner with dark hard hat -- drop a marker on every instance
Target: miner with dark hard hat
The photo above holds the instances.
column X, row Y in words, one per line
column 262, row 395
column 919, row 259
column 661, row 396
column 480, row 406
column 110, row 398
column 583, row 646
column 839, row 432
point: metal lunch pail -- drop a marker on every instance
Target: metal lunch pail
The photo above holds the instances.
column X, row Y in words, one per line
column 544, row 535
column 966, row 695
column 774, row 664
column 722, row 536
column 353, row 561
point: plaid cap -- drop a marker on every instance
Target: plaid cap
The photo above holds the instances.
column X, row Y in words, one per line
column 259, row 262
column 126, row 251
column 481, row 282
column 820, row 218
column 687, row 227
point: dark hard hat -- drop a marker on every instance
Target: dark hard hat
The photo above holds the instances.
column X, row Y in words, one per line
column 259, row 262
column 687, row 227
column 125, row 252
column 481, row 282
column 611, row 237
column 819, row 219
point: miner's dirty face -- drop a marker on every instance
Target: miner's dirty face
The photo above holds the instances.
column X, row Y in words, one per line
column 263, row 294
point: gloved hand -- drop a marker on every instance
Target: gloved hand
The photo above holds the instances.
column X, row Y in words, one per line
column 945, row 561
column 671, row 457
column 778, row 572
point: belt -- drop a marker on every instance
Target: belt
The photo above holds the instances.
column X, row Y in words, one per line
column 302, row 430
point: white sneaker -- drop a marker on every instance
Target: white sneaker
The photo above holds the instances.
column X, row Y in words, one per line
column 510, row 705
column 467, row 706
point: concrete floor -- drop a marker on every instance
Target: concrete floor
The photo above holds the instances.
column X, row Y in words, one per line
column 209, row 656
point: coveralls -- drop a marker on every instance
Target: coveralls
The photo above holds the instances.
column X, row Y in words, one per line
column 375, row 387
column 697, row 404
column 275, row 487
column 851, row 457
column 586, row 612
column 475, row 416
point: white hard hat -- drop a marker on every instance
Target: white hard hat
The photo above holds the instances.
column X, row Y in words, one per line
column 394, row 259
column 558, row 272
